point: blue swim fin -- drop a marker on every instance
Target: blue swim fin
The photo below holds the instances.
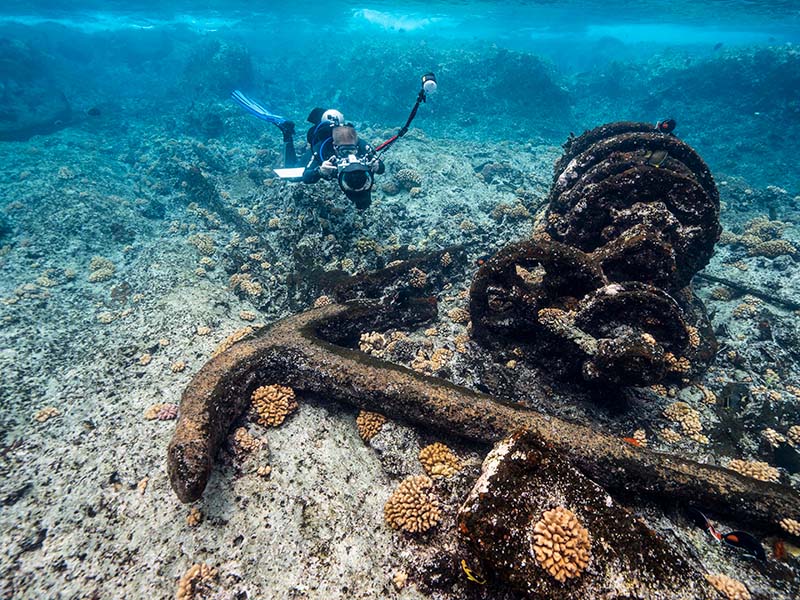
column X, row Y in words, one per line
column 255, row 109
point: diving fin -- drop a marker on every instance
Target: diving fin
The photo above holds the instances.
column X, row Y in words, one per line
column 255, row 109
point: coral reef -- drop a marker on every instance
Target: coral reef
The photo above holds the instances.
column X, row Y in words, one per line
column 273, row 403
column 790, row 525
column 411, row 507
column 369, row 424
column 197, row 580
column 561, row 544
column 439, row 461
column 139, row 160
column 728, row 587
column 609, row 299
column 756, row 469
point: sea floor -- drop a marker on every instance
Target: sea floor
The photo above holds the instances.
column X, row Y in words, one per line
column 130, row 258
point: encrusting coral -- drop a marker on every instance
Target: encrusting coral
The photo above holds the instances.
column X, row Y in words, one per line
column 244, row 442
column 689, row 419
column 411, row 507
column 791, row 526
column 439, row 461
column 236, row 336
column 197, row 580
column 408, row 178
column 46, row 413
column 728, row 587
column 561, row 544
column 273, row 403
column 369, row 424
column 756, row 469
column 162, row 412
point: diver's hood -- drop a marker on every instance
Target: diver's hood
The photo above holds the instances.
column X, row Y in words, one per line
column 315, row 116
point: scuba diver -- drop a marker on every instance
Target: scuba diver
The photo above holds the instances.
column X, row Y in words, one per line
column 334, row 150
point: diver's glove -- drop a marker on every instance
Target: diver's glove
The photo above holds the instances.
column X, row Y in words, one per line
column 376, row 166
column 327, row 169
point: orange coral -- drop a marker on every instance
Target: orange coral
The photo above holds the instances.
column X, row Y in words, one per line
column 273, row 403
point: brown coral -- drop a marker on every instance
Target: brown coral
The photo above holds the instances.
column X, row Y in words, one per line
column 791, row 526
column 793, row 434
column 728, row 587
column 273, row 403
column 195, row 517
column 439, row 461
column 373, row 343
column 229, row 341
column 772, row 249
column 640, row 435
column 101, row 269
column 408, row 178
column 772, row 437
column 46, row 413
column 689, row 419
column 244, row 442
column 417, row 278
column 197, row 580
column 322, row 301
column 369, row 424
column 411, row 507
column 458, row 315
column 756, row 469
column 561, row 544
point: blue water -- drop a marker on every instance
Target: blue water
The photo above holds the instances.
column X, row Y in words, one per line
column 612, row 60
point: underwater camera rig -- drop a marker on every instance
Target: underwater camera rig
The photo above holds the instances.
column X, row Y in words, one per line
column 428, row 86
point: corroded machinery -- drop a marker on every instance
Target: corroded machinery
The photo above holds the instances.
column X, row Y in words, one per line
column 602, row 289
